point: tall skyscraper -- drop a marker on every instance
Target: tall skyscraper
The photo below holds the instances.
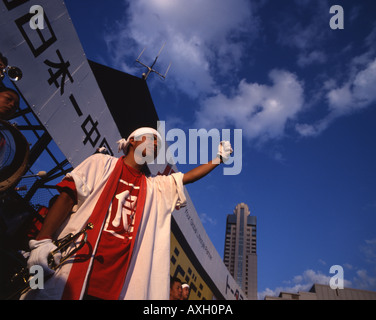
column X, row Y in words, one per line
column 240, row 254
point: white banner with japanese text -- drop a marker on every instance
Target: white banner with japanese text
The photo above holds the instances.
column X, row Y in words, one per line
column 39, row 38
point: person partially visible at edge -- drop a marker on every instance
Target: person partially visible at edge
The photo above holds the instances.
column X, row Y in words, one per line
column 9, row 102
column 185, row 291
column 175, row 289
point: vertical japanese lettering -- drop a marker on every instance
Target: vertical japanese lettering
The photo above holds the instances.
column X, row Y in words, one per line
column 75, row 105
column 93, row 129
column 61, row 71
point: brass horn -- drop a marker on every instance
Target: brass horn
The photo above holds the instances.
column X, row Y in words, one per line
column 20, row 282
column 64, row 243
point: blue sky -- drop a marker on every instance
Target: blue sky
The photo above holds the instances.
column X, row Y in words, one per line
column 302, row 93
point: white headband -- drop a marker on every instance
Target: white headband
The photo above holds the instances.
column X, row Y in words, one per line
column 123, row 144
column 184, row 285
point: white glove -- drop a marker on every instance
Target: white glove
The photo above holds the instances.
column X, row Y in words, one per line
column 224, row 150
column 40, row 249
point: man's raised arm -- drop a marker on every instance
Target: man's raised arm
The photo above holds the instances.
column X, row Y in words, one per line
column 224, row 152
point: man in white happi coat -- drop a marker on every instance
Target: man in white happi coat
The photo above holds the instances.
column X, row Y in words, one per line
column 127, row 253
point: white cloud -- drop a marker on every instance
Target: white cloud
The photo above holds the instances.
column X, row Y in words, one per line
column 305, row 281
column 206, row 219
column 356, row 94
column 364, row 281
column 314, row 57
column 364, row 86
column 206, row 40
column 340, row 100
column 369, row 251
column 355, row 277
column 262, row 111
column 300, row 283
column 321, row 261
column 348, row 266
column 199, row 37
column 307, row 33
